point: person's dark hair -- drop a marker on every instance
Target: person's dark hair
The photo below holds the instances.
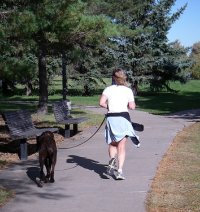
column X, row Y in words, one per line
column 119, row 77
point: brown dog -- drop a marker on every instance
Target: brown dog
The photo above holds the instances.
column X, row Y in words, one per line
column 47, row 156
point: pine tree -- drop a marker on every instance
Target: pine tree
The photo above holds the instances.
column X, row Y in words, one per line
column 49, row 28
column 143, row 50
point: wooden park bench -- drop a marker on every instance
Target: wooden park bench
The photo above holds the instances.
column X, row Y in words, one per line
column 62, row 116
column 21, row 128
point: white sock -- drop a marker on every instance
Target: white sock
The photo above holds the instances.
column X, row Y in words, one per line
column 120, row 170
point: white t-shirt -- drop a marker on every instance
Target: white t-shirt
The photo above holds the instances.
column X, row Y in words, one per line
column 118, row 98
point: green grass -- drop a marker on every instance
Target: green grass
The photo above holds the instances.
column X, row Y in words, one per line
column 5, row 195
column 165, row 103
column 187, row 97
column 85, row 100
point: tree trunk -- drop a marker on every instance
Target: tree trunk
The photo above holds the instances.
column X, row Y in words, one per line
column 29, row 88
column 64, row 76
column 43, row 83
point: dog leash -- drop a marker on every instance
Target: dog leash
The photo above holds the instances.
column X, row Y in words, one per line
column 87, row 139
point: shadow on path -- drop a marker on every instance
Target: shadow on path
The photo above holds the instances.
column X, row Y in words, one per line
column 188, row 115
column 89, row 164
column 34, row 174
column 14, row 178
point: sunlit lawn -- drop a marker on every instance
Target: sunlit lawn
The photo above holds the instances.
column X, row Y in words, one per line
column 187, row 97
column 176, row 186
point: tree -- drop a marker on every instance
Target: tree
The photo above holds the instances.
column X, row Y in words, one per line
column 144, row 50
column 103, row 33
column 101, row 57
column 169, row 62
column 51, row 28
column 195, row 56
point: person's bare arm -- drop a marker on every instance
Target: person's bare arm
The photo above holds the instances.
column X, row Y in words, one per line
column 131, row 105
column 103, row 101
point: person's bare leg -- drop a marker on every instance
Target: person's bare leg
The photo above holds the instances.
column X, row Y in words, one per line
column 112, row 150
column 121, row 151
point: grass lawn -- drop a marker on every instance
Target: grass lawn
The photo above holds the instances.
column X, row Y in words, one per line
column 186, row 98
column 5, row 195
column 176, row 186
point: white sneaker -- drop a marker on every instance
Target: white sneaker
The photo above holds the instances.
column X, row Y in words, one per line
column 111, row 166
column 119, row 176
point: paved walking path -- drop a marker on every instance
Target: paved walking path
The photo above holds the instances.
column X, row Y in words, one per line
column 81, row 183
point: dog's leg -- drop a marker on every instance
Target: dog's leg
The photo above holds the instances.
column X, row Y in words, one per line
column 42, row 175
column 48, row 168
column 52, row 180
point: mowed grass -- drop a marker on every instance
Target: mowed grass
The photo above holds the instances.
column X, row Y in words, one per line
column 187, row 97
column 176, row 187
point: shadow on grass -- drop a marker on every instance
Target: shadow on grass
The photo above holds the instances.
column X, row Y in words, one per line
column 156, row 103
column 167, row 103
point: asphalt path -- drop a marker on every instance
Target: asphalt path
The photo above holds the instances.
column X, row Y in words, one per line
column 81, row 183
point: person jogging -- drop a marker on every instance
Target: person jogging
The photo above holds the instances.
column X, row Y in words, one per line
column 118, row 99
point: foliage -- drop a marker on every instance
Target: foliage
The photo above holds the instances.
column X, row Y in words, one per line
column 44, row 31
column 195, row 56
column 89, row 68
column 144, row 50
column 172, row 66
column 5, row 195
column 195, row 73
column 95, row 36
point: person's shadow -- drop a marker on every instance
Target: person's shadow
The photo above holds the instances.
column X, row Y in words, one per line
column 89, row 164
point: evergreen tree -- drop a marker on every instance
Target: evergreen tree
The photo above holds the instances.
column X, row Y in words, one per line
column 50, row 28
column 167, row 63
column 93, row 36
column 144, row 51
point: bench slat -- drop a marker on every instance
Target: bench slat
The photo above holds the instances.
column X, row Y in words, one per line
column 62, row 116
column 21, row 127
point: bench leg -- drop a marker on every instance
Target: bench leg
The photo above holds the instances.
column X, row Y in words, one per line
column 75, row 128
column 23, row 149
column 67, row 131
